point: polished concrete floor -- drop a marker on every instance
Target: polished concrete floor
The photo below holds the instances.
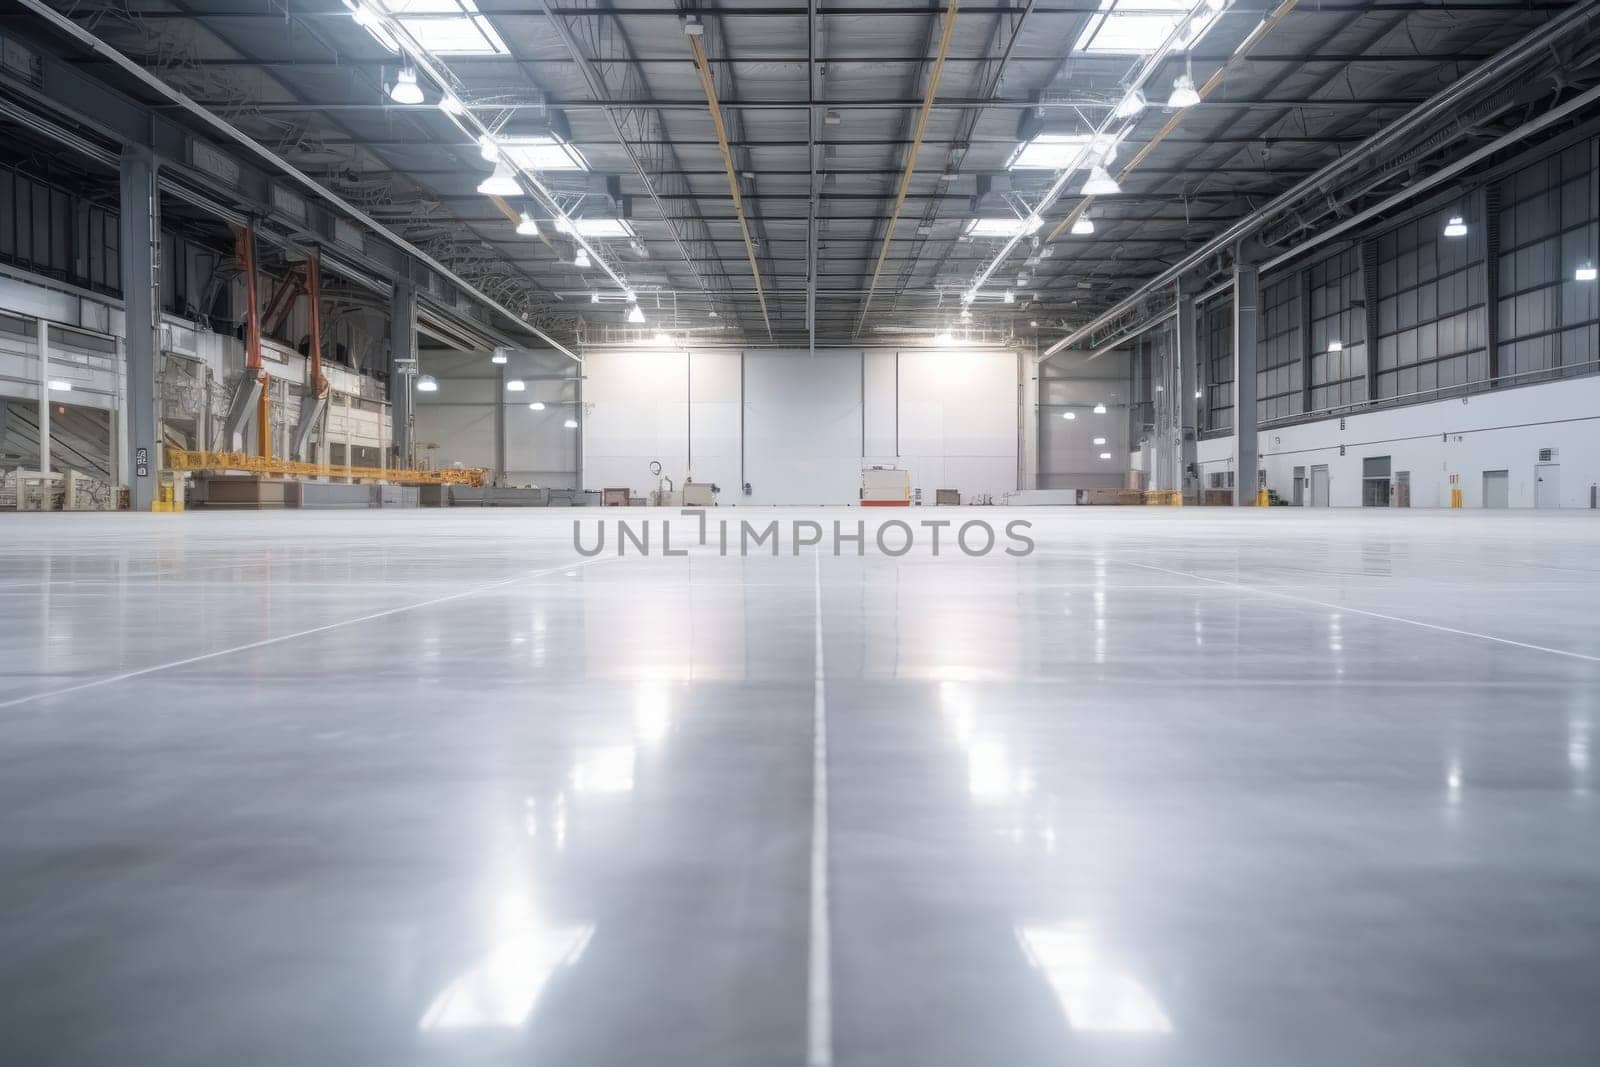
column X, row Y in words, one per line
column 1177, row 788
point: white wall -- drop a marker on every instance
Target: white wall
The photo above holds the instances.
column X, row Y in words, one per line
column 807, row 422
column 1499, row 430
column 457, row 423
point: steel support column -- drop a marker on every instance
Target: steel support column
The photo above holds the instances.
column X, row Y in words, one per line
column 1188, row 346
column 138, row 229
column 43, row 326
column 402, row 369
column 1246, row 305
column 499, row 472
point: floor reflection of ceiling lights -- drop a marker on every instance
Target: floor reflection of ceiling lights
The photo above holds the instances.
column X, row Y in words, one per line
column 502, row 990
column 1095, row 995
column 604, row 770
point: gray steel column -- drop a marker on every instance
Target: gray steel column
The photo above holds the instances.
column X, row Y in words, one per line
column 138, row 235
column 43, row 326
column 1188, row 337
column 500, row 427
column 1246, row 305
column 402, row 369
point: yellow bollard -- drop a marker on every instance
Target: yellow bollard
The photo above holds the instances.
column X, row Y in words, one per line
column 1261, row 498
column 167, row 499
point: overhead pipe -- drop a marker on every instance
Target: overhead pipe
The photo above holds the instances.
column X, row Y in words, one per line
column 911, row 156
column 260, row 151
column 1254, row 38
column 733, row 174
column 1535, row 44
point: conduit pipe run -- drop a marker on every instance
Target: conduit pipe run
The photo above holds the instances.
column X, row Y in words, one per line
column 733, row 175
column 911, row 156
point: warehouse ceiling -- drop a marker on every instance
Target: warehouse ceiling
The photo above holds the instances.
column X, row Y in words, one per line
column 768, row 221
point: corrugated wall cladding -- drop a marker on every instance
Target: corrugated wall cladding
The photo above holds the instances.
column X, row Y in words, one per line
column 1405, row 314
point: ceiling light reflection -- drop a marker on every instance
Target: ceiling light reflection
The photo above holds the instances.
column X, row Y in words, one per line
column 1094, row 994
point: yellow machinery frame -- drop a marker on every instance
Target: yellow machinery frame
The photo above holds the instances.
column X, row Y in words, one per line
column 182, row 460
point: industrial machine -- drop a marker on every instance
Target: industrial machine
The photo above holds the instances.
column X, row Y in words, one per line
column 885, row 487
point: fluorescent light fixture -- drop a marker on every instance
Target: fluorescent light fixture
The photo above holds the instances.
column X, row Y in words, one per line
column 451, row 104
column 1049, row 151
column 1456, row 227
column 426, row 383
column 515, row 385
column 499, row 358
column 501, row 183
column 445, row 27
column 635, row 315
column 1585, row 273
column 488, row 147
column 600, row 229
column 537, row 405
column 1137, row 27
column 1100, row 182
column 581, row 260
column 405, row 89
column 1082, row 226
column 1105, row 455
column 1130, row 105
column 543, row 153
column 527, row 226
column 59, row 386
column 1099, row 440
column 371, row 21
column 1099, row 409
column 1012, row 227
column 1069, row 415
column 1184, row 93
column 1010, row 297
column 571, row 424
column 1335, row 346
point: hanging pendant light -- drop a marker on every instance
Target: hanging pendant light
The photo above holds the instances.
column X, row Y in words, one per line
column 527, row 226
column 427, row 383
column 1099, row 409
column 1456, row 227
column 1100, row 182
column 405, row 89
column 1082, row 226
column 636, row 315
column 581, row 259
column 503, row 182
column 1183, row 93
column 1132, row 104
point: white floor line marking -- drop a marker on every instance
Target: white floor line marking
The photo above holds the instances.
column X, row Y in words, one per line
column 819, row 998
column 1362, row 611
column 281, row 638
